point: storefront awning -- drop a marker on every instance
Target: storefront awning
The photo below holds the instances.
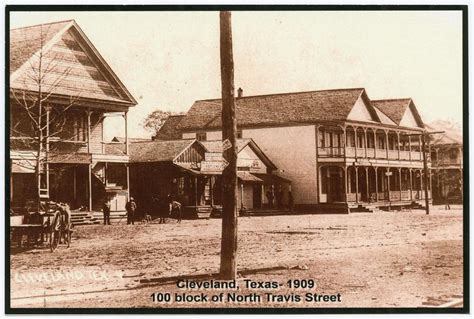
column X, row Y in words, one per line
column 69, row 158
column 23, row 166
column 248, row 177
column 271, row 179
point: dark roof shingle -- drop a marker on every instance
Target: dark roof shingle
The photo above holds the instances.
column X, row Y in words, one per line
column 170, row 130
column 26, row 41
column 276, row 109
column 157, row 151
column 393, row 108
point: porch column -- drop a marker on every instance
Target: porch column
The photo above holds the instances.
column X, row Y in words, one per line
column 74, row 186
column 241, row 195
column 430, row 185
column 400, row 181
column 355, row 142
column 88, row 113
column 365, row 141
column 409, row 145
column 375, row 142
column 344, row 168
column 420, row 147
column 126, row 132
column 411, row 184
column 367, row 183
column 128, row 181
column 386, row 142
column 388, row 183
column 376, row 184
column 196, row 190
column 90, row 187
column 398, row 141
column 211, row 181
column 420, row 191
column 357, row 183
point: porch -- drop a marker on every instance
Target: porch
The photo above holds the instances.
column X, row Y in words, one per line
column 378, row 186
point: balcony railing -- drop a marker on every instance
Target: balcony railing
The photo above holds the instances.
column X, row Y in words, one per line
column 331, row 151
column 369, row 153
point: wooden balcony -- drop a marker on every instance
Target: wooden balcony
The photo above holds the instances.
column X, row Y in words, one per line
column 378, row 153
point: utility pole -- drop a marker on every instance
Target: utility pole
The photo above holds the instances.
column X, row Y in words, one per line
column 424, row 148
column 228, row 269
column 425, row 172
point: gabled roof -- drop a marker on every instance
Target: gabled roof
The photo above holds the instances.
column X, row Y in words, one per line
column 74, row 66
column 278, row 109
column 170, row 130
column 396, row 109
column 158, row 151
column 216, row 146
column 451, row 135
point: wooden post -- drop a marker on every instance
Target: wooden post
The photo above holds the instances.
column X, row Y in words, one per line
column 196, row 191
column 409, row 146
column 400, row 181
column 367, row 190
column 90, row 187
column 128, row 182
column 398, row 145
column 386, row 143
column 211, row 182
column 376, row 184
column 357, row 183
column 126, row 132
column 228, row 267
column 375, row 142
column 88, row 131
column 425, row 170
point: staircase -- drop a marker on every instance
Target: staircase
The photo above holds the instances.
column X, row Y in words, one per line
column 364, row 208
column 79, row 217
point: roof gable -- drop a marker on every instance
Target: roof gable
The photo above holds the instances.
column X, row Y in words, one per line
column 70, row 64
column 360, row 112
column 393, row 108
column 158, row 151
column 277, row 109
column 246, row 148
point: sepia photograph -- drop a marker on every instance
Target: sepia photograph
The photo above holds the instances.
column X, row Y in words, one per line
column 236, row 159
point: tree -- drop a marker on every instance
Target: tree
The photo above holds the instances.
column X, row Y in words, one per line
column 37, row 118
column 155, row 120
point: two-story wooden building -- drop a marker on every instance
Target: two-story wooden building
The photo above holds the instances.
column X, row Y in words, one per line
column 447, row 164
column 59, row 80
column 339, row 149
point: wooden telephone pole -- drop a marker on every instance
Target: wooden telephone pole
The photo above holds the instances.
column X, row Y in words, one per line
column 425, row 148
column 228, row 268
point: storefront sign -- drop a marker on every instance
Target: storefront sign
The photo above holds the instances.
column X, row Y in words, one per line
column 213, row 157
column 213, row 166
column 248, row 162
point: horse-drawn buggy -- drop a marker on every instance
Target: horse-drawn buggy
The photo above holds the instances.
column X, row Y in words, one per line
column 52, row 224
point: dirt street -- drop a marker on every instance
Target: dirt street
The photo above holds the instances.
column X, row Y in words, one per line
column 390, row 259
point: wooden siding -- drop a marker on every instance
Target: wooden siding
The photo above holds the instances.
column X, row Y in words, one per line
column 83, row 77
column 191, row 155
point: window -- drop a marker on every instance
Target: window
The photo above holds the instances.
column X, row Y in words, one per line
column 239, row 133
column 201, row 136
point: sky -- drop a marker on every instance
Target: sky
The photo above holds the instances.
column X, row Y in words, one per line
column 167, row 60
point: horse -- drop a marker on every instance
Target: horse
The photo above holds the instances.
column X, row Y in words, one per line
column 174, row 208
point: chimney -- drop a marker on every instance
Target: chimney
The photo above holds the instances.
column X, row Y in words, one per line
column 240, row 92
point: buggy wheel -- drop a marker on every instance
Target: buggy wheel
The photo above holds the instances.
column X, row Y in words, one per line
column 54, row 239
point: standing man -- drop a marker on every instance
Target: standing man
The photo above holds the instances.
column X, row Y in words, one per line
column 131, row 207
column 106, row 211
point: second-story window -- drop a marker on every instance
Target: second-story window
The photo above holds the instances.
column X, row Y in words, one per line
column 239, row 134
column 201, row 136
column 79, row 130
